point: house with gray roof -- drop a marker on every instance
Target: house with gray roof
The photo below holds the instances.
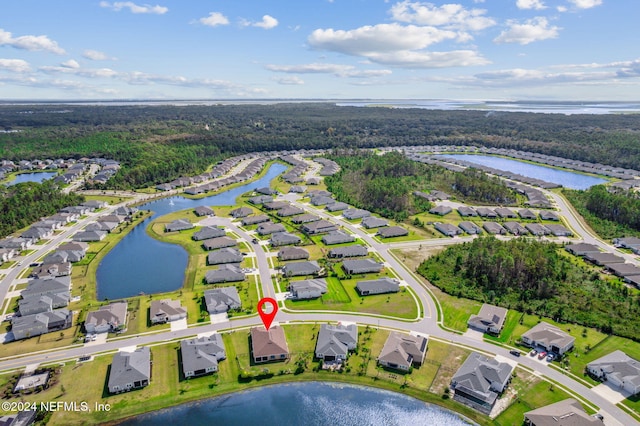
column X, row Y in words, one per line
column 494, row 228
column 336, row 207
column 292, row 253
column 441, row 210
column 203, row 211
column 275, row 205
column 283, row 239
column 241, row 212
column 479, row 381
column 166, row 310
column 261, row 199
column 27, row 326
column 321, row 200
column 548, row 215
column 55, row 257
column 201, row 355
column 352, row 214
column 254, row 220
column 623, row 269
column 619, row 370
column 318, row 227
column 567, row 412
column 361, row 266
column 268, row 345
column 603, row 259
column 101, row 226
column 178, row 225
column 551, row 338
column 270, row 228
column 35, row 305
column 527, row 214
column 224, row 255
column 265, row 190
column 402, row 351
column 486, row 212
column 39, row 287
column 627, row 242
column 207, row 233
column 504, row 212
column 51, row 270
column 297, row 269
column 335, row 341
column 337, row 237
column 130, row 370
column 447, row 229
column 374, row 222
column 490, row 319
column 581, row 249
column 221, row 300
column 218, row 242
column 392, row 231
column 289, row 211
column 305, row 218
column 89, row 236
column 299, row 189
column 379, row 286
column 355, row 250
column 37, row 233
column 466, row 211
column 308, row 289
column 537, row 229
column 226, row 273
column 559, row 230
column 109, row 318
column 515, row 228
column 470, row 228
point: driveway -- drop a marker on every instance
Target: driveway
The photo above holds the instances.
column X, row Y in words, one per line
column 610, row 393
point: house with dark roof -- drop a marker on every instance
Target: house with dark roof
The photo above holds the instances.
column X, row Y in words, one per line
column 109, row 318
column 559, row 230
column 51, row 270
column 402, row 351
column 479, row 381
column 335, row 342
column 270, row 228
column 441, row 210
column 224, row 255
column 261, row 199
column 305, row 218
column 27, row 326
column 218, row 242
column 204, row 211
column 374, row 222
column 581, row 249
column 537, row 229
column 447, row 229
column 352, row 214
column 486, row 212
column 627, row 242
column 308, row 289
column 470, row 228
column 207, row 233
column 548, row 215
column 321, row 200
column 201, row 355
column 268, row 345
column 275, row 205
column 379, row 286
column 392, row 231
column 318, row 227
column 292, row 253
column 254, row 220
column 130, row 370
column 504, row 212
column 178, row 225
column 283, row 238
column 226, row 273
column 515, row 228
column 603, row 259
column 619, row 370
column 361, row 266
column 265, row 190
column 221, row 300
column 623, row 269
column 297, row 269
column 337, row 237
column 299, row 189
column 241, row 212
column 466, row 211
column 355, row 250
column 490, row 319
column 166, row 310
column 336, row 207
column 567, row 412
column 289, row 211
column 551, row 338
column 89, row 236
column 527, row 214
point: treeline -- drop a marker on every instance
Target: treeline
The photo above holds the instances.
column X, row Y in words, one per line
column 533, row 277
column 26, row 203
column 478, row 186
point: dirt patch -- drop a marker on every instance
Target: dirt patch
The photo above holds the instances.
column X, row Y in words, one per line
column 503, row 402
column 453, row 361
column 413, row 257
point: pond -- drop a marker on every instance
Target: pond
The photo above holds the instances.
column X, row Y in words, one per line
column 141, row 264
column 32, row 177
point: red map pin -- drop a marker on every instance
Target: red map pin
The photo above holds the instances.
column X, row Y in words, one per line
column 267, row 317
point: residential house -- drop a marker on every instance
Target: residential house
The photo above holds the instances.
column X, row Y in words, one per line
column 527, row 214
column 55, row 257
column 275, row 205
column 321, row 200
column 308, row 289
column 27, row 326
column 619, row 370
column 289, row 211
column 36, row 234
column 447, row 229
column 268, row 345
column 623, row 269
column 470, row 228
column 178, row 225
column 352, row 214
column 379, row 286
column 361, row 266
column 466, row 211
column 226, row 273
column 241, row 212
column 89, row 236
column 218, row 243
column 39, row 287
column 270, row 228
column 335, row 341
column 626, row 242
column 490, row 319
column 130, row 370
column 549, row 337
column 548, row 215
column 283, row 239
column 305, row 218
column 221, row 300
column 504, row 212
column 581, row 249
column 266, row 191
column 51, row 270
column 299, row 189
column 337, row 237
column 336, row 207
column 479, row 381
column 101, row 226
column 95, row 204
column 441, row 210
column 292, row 253
column 603, row 259
column 201, row 355
column 254, row 220
column 318, row 227
column 402, row 351
column 75, row 251
column 559, row 230
column 355, row 250
column 17, row 244
column 486, row 212
column 224, row 255
column 392, row 231
column 261, row 199
column 515, row 228
column 207, row 233
column 374, row 222
column 567, row 412
column 204, row 211
column 108, row 318
column 166, row 310
column 297, row 269
column 537, row 229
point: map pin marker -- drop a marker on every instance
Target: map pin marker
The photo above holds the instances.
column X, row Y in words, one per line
column 267, row 317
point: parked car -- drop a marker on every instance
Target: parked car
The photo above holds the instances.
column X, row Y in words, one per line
column 541, row 355
column 514, row 352
column 550, row 357
column 533, row 352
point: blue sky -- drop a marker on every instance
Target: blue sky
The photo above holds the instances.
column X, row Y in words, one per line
column 329, row 49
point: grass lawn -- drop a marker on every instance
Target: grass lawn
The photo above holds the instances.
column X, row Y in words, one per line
column 579, row 359
column 108, row 198
column 448, row 359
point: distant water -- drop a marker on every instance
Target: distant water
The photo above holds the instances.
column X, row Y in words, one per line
column 563, row 177
column 32, row 177
column 309, row 403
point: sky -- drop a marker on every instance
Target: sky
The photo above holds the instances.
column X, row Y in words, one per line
column 583, row 50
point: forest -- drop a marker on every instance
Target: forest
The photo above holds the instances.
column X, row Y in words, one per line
column 384, row 183
column 25, row 203
column 535, row 277
column 157, row 143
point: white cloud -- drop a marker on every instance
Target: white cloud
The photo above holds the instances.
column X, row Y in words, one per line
column 96, row 55
column 14, row 65
column 413, row 59
column 336, row 69
column 268, row 22
column 585, row 4
column 292, row 80
column 214, row 19
column 71, row 63
column 561, row 9
column 135, row 8
column 530, row 4
column 30, row 42
column 450, row 16
column 82, row 72
column 531, row 30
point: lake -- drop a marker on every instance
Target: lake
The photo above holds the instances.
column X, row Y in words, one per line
column 32, row 177
column 140, row 263
column 308, row 403
column 565, row 178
